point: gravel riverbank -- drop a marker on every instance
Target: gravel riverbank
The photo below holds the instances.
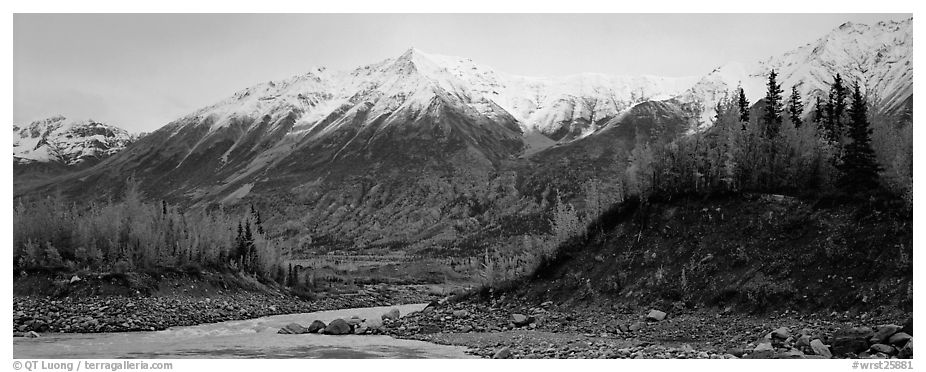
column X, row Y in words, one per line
column 89, row 314
column 512, row 330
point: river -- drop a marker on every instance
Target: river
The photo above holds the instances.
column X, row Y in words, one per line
column 253, row 338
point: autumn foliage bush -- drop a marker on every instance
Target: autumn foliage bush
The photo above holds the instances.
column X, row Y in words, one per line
column 134, row 234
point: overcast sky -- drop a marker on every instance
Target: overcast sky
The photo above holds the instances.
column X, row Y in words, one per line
column 142, row 71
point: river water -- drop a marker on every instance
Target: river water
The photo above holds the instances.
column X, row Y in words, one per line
column 253, row 338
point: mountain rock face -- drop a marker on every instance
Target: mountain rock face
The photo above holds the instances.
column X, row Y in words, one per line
column 433, row 149
column 67, row 142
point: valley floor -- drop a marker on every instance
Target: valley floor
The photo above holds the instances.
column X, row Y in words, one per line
column 502, row 327
column 98, row 304
column 552, row 331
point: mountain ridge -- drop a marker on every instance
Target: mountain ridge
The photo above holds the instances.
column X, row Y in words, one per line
column 68, row 142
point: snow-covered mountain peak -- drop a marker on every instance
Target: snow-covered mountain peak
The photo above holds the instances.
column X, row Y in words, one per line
column 878, row 57
column 70, row 142
column 564, row 108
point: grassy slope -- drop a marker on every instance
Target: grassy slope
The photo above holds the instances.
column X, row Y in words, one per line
column 753, row 253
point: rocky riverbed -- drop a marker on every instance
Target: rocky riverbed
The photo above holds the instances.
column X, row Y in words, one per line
column 89, row 314
column 510, row 329
column 503, row 328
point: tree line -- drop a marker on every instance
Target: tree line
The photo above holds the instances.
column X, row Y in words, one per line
column 768, row 147
column 133, row 234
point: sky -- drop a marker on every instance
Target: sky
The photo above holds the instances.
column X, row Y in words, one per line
column 141, row 71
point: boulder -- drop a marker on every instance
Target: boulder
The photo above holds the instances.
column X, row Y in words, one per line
column 292, row 329
column 820, row 349
column 907, row 351
column 338, row 327
column 521, row 320
column 781, row 333
column 851, row 340
column 392, row 314
column 882, row 348
column 899, row 339
column 32, row 334
column 736, row 352
column 802, row 342
column 460, row 313
column 74, row 279
column 884, row 333
column 636, row 326
column 655, row 315
column 762, row 351
column 503, row 353
column 316, row 326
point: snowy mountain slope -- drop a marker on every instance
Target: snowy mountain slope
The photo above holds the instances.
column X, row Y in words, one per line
column 68, row 142
column 561, row 108
column 396, row 112
column 879, row 57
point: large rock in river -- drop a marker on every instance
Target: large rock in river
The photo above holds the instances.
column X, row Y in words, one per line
column 316, row 326
column 338, row 327
column 292, row 329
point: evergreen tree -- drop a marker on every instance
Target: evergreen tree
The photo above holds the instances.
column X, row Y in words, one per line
column 835, row 110
column 819, row 113
column 248, row 237
column 859, row 169
column 240, row 248
column 248, row 256
column 290, row 277
column 257, row 222
column 743, row 105
column 795, row 108
column 771, row 117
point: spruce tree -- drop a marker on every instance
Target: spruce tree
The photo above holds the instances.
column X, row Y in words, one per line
column 771, row 117
column 248, row 246
column 239, row 241
column 795, row 108
column 858, row 167
column 819, row 113
column 743, row 105
column 248, row 237
column 290, row 276
column 836, row 109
